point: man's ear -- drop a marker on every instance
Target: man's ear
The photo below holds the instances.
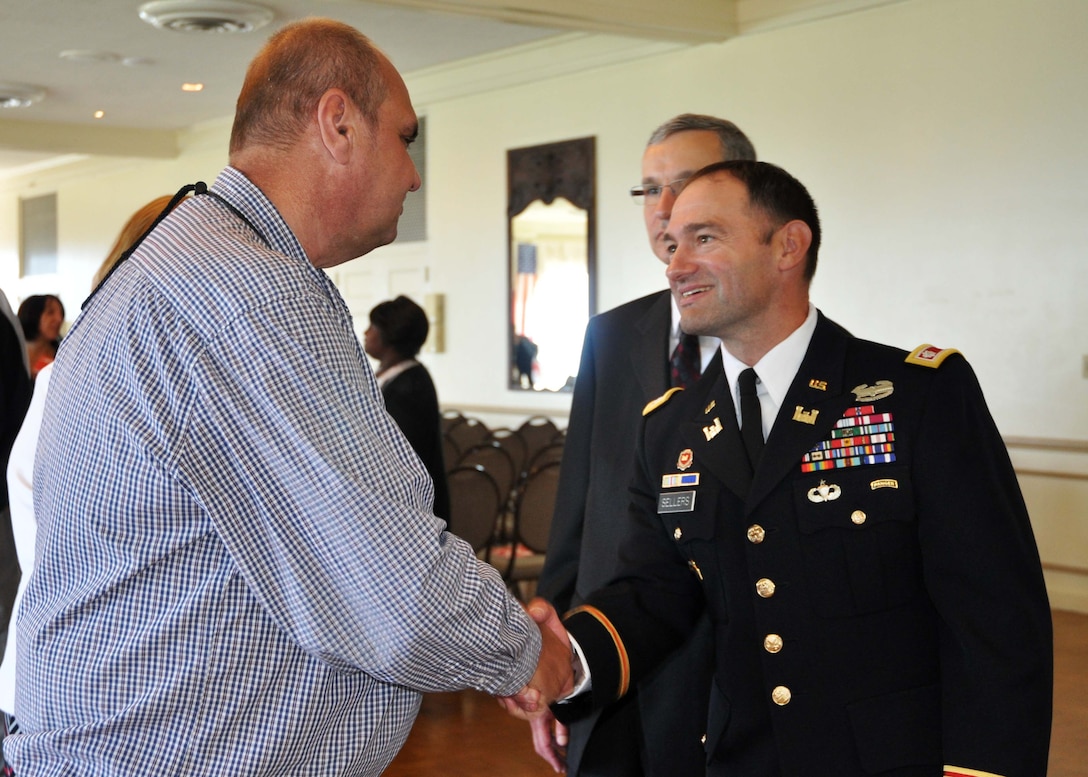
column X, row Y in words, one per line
column 793, row 240
column 336, row 124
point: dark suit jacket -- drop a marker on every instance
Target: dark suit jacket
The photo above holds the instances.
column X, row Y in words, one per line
column 412, row 401
column 624, row 365
column 15, row 392
column 887, row 617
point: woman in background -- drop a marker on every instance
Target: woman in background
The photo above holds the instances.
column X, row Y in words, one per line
column 41, row 316
column 398, row 328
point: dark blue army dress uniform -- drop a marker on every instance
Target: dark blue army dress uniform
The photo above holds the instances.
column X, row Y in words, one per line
column 874, row 586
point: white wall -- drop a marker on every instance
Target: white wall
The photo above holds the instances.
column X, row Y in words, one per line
column 942, row 140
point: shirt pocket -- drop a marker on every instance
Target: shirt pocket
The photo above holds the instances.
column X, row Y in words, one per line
column 858, row 534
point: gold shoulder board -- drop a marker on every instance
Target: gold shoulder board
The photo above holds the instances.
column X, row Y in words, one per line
column 654, row 404
column 929, row 355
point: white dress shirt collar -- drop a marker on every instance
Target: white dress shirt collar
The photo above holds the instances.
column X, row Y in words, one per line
column 776, row 370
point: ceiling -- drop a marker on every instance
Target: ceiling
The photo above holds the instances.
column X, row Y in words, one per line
column 133, row 71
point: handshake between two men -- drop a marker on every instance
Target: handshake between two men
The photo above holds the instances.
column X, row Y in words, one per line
column 553, row 680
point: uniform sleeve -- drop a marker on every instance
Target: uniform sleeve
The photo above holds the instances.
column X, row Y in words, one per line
column 983, row 573
column 560, row 574
column 626, row 628
column 326, row 512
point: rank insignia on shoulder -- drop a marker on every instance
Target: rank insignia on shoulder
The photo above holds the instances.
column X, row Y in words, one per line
column 929, row 355
column 654, row 404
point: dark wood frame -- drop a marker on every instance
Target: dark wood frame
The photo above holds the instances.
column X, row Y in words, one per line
column 566, row 168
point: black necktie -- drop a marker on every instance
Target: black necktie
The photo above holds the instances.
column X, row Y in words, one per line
column 751, row 417
column 685, row 364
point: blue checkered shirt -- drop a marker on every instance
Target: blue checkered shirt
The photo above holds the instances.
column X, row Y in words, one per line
column 238, row 571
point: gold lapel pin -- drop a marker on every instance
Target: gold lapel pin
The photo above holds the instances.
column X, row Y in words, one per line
column 879, row 390
column 805, row 416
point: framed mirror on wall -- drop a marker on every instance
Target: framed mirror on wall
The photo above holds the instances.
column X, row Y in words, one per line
column 552, row 238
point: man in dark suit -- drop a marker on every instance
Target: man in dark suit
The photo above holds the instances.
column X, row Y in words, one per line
column 625, row 362
column 854, row 530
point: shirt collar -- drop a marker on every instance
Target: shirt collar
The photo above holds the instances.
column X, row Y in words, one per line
column 261, row 214
column 675, row 331
column 779, row 366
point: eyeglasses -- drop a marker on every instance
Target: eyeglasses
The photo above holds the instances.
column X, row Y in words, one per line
column 650, row 193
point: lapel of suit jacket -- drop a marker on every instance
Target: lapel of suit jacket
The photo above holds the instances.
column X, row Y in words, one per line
column 815, row 401
column 713, row 433
column 649, row 351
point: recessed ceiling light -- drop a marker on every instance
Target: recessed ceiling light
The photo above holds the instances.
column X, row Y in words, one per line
column 192, row 87
column 19, row 95
column 88, row 55
column 205, row 15
column 99, row 114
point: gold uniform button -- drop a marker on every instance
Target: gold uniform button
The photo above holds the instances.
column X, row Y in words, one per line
column 772, row 643
column 765, row 588
column 756, row 534
column 858, row 517
column 781, row 695
column 677, row 533
column 703, row 739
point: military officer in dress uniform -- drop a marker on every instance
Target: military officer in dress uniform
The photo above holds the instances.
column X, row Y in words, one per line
column 846, row 513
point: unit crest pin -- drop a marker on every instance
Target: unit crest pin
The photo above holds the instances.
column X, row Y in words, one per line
column 685, row 460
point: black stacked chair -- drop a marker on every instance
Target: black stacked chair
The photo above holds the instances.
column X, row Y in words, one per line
column 552, row 452
column 496, row 462
column 514, row 445
column 536, row 433
column 451, row 418
column 528, row 544
column 466, row 433
column 475, row 505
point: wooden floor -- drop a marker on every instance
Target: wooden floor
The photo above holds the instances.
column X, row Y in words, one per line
column 465, row 733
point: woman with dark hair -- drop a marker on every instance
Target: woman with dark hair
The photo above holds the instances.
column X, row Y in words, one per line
column 398, row 329
column 41, row 316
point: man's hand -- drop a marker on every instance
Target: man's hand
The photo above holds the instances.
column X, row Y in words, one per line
column 554, row 676
column 550, row 740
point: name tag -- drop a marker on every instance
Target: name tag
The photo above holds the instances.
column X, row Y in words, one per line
column 676, row 502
